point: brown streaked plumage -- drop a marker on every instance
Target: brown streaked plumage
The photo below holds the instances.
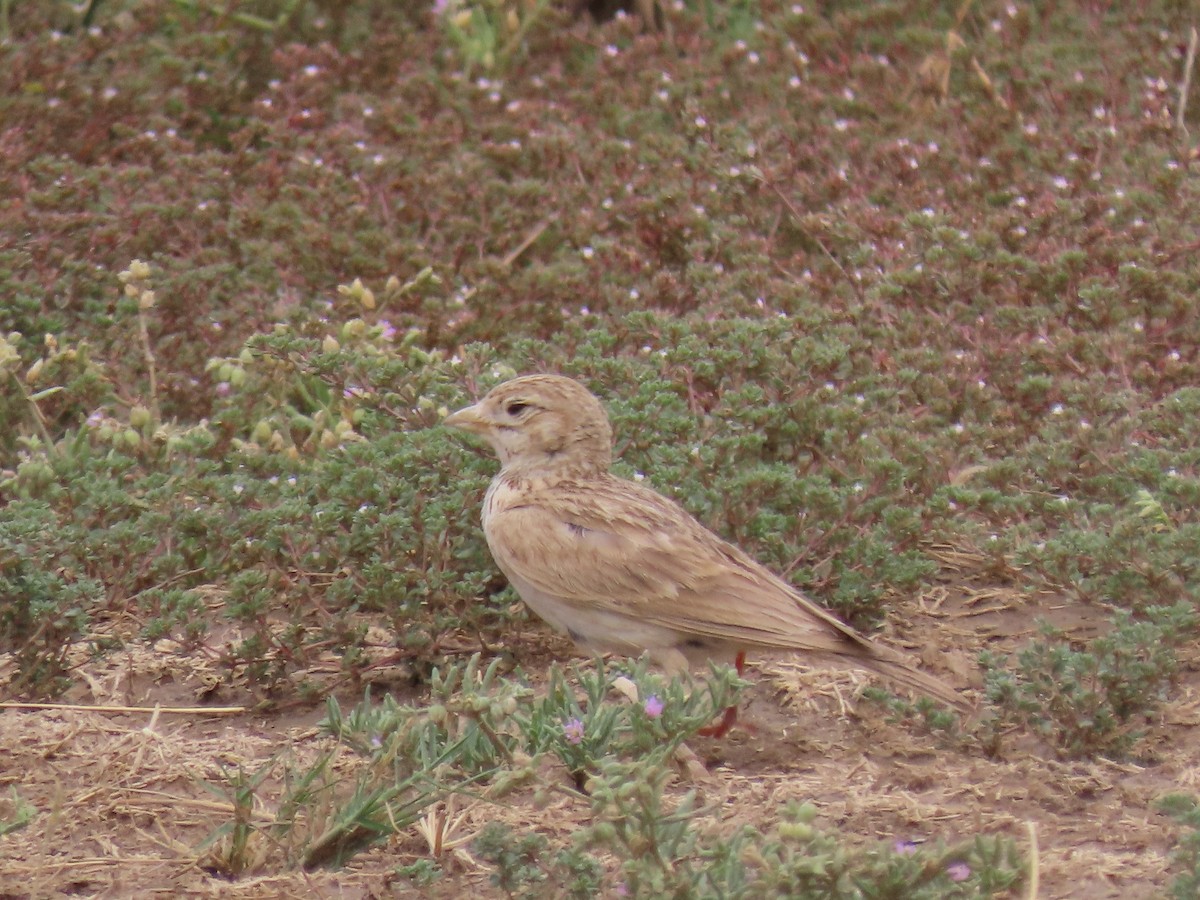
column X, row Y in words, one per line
column 622, row 569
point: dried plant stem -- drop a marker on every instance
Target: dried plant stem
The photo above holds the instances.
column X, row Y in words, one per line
column 83, row 707
column 1189, row 65
column 530, row 239
column 1031, row 827
column 148, row 353
column 38, row 419
column 798, row 222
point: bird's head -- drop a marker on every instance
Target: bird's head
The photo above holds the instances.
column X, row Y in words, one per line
column 541, row 422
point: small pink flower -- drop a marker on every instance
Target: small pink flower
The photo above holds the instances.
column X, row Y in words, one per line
column 573, row 731
column 224, row 389
column 904, row 848
column 958, row 871
column 653, row 706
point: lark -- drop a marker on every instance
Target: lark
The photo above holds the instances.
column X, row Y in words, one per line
column 622, row 569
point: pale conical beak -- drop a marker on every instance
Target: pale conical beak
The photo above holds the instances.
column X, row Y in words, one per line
column 468, row 419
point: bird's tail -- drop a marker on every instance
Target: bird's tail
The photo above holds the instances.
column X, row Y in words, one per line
column 902, row 673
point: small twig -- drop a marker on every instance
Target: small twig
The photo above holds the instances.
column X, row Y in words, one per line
column 88, row 862
column 799, row 222
column 144, row 334
column 491, row 735
column 83, row 707
column 1031, row 827
column 147, row 730
column 988, row 86
column 1188, row 65
column 536, row 233
column 38, row 419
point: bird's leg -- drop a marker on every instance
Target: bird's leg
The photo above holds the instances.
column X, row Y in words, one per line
column 728, row 719
column 720, row 727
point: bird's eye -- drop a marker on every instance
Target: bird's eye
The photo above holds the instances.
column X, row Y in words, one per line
column 516, row 408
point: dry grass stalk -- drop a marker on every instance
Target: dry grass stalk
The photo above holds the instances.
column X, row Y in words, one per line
column 1189, row 65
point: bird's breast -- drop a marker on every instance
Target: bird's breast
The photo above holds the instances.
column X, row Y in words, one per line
column 501, row 494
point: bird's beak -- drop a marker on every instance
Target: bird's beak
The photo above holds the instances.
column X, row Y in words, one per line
column 468, row 418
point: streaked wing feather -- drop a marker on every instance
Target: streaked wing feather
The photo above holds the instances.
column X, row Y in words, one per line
column 621, row 547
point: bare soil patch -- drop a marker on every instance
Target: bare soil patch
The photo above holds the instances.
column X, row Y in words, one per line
column 122, row 809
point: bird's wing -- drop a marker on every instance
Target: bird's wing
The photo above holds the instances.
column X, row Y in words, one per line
column 616, row 546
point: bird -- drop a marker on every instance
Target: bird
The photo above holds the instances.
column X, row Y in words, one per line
column 621, row 569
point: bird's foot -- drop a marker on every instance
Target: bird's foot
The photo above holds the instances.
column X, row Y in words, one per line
column 721, row 727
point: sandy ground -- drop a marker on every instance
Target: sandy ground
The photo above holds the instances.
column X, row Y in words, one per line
column 122, row 807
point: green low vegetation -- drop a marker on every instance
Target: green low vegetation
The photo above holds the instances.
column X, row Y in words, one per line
column 856, row 281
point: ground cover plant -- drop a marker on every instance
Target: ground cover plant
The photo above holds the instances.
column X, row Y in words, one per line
column 900, row 296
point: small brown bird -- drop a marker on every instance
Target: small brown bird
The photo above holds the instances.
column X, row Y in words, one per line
column 622, row 569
